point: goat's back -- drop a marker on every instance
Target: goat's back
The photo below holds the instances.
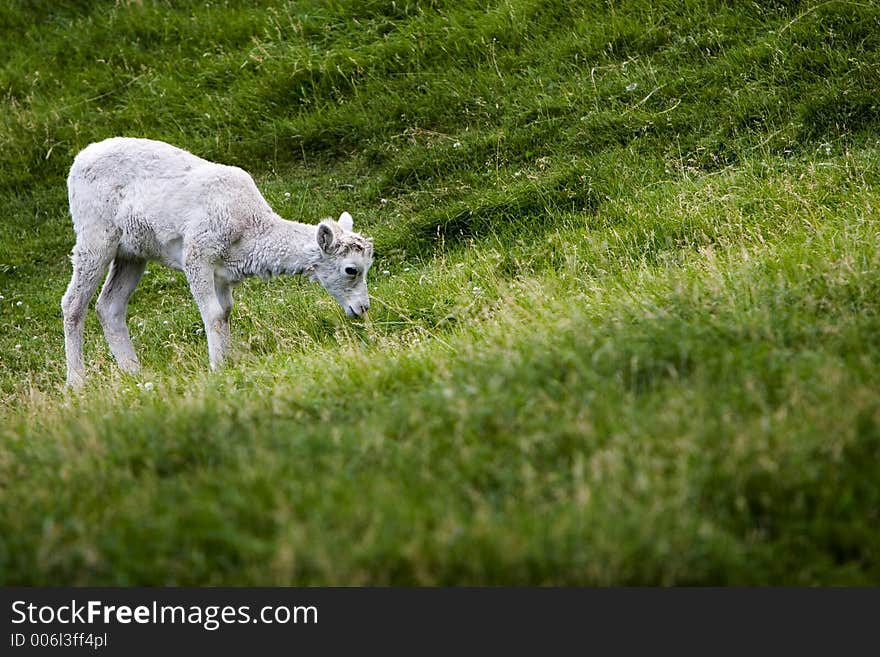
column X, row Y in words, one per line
column 126, row 159
column 157, row 185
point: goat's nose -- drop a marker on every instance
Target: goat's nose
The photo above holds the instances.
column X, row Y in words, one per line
column 357, row 309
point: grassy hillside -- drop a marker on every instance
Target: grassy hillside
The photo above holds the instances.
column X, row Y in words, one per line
column 626, row 300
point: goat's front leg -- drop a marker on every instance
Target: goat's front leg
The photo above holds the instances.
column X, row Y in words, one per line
column 200, row 275
column 223, row 290
column 224, row 296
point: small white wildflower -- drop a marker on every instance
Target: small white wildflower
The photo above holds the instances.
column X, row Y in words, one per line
column 18, row 346
column 457, row 144
column 140, row 325
column 477, row 289
column 2, row 297
column 286, row 194
column 406, row 269
column 36, row 337
column 207, row 116
column 385, row 272
column 383, row 201
column 631, row 86
column 165, row 322
column 517, row 174
column 148, row 385
column 18, row 303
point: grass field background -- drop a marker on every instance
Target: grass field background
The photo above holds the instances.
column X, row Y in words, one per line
column 625, row 319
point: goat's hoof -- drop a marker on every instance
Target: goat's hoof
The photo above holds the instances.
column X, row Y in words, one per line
column 130, row 367
column 75, row 382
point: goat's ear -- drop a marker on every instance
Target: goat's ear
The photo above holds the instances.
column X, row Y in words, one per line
column 326, row 236
column 346, row 221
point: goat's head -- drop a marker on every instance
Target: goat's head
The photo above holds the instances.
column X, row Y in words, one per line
column 345, row 259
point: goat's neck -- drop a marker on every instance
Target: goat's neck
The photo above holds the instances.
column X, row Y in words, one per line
column 284, row 247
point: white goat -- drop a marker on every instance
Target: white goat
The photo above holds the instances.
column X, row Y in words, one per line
column 134, row 200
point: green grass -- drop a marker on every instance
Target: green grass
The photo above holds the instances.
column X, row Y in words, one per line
column 626, row 300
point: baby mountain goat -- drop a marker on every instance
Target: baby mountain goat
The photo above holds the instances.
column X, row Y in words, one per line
column 134, row 200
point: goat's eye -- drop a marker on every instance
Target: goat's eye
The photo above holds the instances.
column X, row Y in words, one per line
column 351, row 271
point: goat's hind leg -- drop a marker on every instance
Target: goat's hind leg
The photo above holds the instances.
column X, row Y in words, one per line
column 112, row 304
column 89, row 264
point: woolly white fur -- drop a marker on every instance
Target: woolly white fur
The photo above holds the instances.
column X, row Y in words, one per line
column 135, row 200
